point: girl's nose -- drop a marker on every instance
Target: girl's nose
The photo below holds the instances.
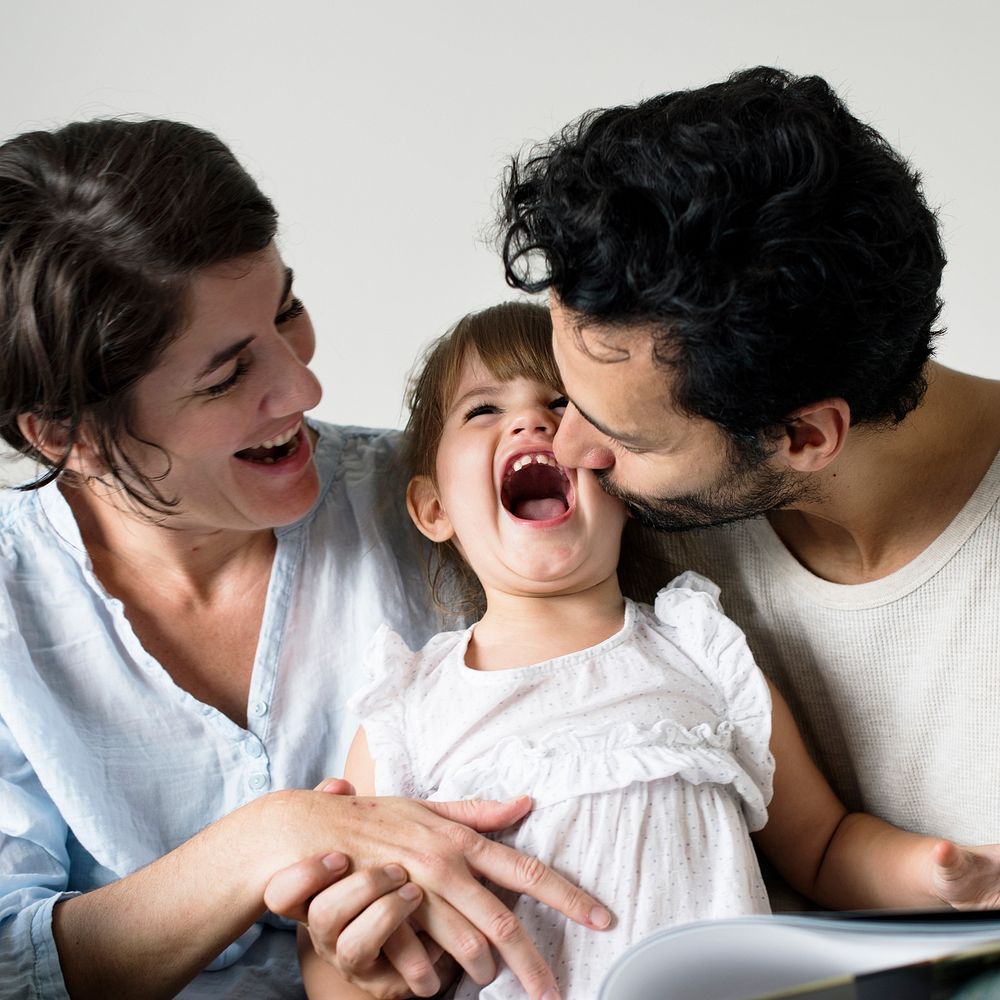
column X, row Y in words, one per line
column 541, row 421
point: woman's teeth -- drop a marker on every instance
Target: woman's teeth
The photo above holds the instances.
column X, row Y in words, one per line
column 274, row 449
column 281, row 439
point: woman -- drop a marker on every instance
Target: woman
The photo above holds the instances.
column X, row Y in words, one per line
column 187, row 589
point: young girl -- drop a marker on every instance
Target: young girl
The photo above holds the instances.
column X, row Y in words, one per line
column 649, row 740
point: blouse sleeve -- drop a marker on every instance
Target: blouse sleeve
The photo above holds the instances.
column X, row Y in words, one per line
column 381, row 706
column 691, row 604
column 34, row 868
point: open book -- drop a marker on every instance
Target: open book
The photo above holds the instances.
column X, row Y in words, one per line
column 912, row 955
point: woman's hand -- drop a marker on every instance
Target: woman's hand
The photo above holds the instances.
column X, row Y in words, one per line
column 361, row 925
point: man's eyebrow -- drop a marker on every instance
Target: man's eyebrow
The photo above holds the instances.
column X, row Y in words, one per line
column 228, row 353
column 626, row 439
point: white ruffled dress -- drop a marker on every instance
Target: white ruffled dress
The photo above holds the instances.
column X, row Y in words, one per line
column 647, row 757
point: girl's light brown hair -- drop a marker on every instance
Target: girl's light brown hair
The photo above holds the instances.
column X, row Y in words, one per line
column 512, row 340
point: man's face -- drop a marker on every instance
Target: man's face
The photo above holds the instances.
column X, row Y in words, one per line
column 673, row 470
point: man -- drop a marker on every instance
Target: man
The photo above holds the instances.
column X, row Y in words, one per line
column 743, row 281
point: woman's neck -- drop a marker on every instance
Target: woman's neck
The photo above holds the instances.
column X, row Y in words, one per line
column 126, row 550
column 519, row 630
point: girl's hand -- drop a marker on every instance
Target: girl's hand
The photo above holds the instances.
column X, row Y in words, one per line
column 967, row 878
column 366, row 922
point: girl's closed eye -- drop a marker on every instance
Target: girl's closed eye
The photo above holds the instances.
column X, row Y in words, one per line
column 481, row 410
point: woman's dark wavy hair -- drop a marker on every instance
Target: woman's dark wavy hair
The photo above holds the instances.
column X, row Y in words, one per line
column 102, row 226
column 781, row 250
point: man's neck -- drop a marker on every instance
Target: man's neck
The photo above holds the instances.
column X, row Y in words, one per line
column 519, row 630
column 892, row 491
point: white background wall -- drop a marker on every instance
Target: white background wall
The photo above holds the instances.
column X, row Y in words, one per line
column 380, row 128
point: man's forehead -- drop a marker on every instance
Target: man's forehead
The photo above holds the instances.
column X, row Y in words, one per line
column 612, row 377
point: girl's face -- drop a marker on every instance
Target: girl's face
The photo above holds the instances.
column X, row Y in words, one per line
column 522, row 522
column 225, row 403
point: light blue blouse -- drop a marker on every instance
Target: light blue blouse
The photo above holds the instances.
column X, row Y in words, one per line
column 106, row 764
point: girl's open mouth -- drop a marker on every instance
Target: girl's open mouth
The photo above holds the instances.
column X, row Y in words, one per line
column 535, row 487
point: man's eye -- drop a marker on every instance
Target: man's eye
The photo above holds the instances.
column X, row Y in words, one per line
column 295, row 308
column 559, row 404
column 617, row 445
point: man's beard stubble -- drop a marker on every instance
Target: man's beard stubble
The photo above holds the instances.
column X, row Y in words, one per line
column 747, row 489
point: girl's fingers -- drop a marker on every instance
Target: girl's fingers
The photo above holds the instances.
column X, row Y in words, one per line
column 336, row 786
column 290, row 890
column 409, row 956
column 459, row 937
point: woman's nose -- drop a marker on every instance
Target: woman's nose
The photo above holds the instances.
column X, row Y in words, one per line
column 292, row 386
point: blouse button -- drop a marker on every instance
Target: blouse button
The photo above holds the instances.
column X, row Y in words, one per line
column 253, row 749
column 258, row 781
column 258, row 708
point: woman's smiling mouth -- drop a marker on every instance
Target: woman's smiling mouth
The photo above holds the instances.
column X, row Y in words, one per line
column 276, row 449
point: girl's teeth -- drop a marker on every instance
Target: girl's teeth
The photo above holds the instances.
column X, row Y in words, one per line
column 538, row 459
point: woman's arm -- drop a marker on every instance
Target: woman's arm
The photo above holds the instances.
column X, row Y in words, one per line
column 150, row 933
column 848, row 860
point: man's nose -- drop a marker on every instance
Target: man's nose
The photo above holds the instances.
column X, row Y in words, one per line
column 579, row 445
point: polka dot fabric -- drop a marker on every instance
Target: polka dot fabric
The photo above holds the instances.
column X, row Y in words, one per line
column 646, row 756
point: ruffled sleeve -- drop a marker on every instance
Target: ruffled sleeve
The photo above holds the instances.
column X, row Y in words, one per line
column 381, row 706
column 690, row 605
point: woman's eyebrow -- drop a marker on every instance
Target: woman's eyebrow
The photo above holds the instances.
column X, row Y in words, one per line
column 289, row 279
column 221, row 357
column 228, row 353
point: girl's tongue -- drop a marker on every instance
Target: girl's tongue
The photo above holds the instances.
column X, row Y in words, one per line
column 542, row 509
column 536, row 490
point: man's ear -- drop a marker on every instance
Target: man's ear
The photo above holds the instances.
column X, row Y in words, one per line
column 51, row 438
column 425, row 508
column 815, row 435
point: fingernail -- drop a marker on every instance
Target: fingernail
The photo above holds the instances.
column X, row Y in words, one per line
column 335, row 862
column 510, row 802
column 394, row 872
column 409, row 892
column 600, row 917
column 550, row 994
column 330, row 786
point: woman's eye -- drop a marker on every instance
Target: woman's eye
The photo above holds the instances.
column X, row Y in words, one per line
column 482, row 410
column 295, row 308
column 221, row 388
column 559, row 403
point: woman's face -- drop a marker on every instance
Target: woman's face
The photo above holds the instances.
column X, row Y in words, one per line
column 226, row 401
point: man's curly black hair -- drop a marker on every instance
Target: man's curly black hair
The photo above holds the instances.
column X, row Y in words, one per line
column 781, row 249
